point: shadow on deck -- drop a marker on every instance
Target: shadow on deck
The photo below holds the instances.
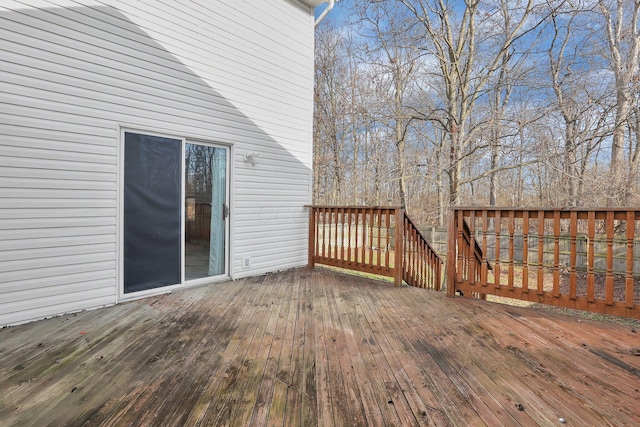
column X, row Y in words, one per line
column 318, row 348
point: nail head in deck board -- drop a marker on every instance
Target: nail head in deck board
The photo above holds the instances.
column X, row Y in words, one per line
column 260, row 351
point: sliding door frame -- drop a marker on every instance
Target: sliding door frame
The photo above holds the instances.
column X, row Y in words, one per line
column 120, row 294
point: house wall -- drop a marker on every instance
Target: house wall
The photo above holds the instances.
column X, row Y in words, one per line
column 75, row 73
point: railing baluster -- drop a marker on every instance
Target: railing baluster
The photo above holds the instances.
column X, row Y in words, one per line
column 379, row 246
column 365, row 233
column 406, row 254
column 323, row 213
column 370, row 240
column 525, row 252
column 610, row 227
column 388, row 234
column 398, row 259
column 435, row 273
column 425, row 262
column 330, row 241
column 414, row 254
column 409, row 252
column 313, row 238
column 337, row 238
column 461, row 247
column 327, row 227
column 497, row 228
column 339, row 234
column 349, row 251
column 485, row 263
column 472, row 247
column 344, row 235
column 573, row 233
column 629, row 281
column 591, row 235
column 363, row 236
column 511, row 227
column 452, row 249
column 556, row 253
column 540, row 252
column 358, row 235
column 421, row 261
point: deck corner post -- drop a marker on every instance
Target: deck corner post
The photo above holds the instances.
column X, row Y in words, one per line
column 312, row 238
column 399, row 246
column 451, row 253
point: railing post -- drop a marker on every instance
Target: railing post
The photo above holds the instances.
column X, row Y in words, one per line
column 451, row 253
column 312, row 237
column 399, row 253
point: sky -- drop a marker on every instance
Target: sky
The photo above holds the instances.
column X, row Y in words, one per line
column 338, row 13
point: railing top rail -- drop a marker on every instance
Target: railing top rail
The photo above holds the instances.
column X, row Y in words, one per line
column 547, row 209
column 351, row 207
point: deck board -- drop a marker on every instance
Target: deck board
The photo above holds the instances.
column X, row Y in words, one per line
column 318, row 348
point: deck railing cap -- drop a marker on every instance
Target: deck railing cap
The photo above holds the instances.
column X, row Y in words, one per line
column 543, row 208
column 351, row 207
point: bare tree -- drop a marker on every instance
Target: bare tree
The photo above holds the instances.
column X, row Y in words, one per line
column 337, row 117
column 468, row 55
column 390, row 49
column 621, row 19
column 580, row 99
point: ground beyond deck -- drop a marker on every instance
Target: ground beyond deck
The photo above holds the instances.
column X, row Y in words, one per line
column 318, row 348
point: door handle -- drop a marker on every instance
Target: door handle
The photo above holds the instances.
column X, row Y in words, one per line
column 225, row 211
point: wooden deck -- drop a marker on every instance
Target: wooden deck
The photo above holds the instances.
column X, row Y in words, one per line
column 318, row 348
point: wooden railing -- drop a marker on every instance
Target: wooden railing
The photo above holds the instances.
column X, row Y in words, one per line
column 556, row 277
column 377, row 240
column 421, row 266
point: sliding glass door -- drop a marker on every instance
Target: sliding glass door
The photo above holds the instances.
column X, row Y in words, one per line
column 206, row 210
column 175, row 209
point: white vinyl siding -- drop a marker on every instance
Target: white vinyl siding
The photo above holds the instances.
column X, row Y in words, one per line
column 75, row 72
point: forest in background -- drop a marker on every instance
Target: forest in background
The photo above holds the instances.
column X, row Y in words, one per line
column 429, row 104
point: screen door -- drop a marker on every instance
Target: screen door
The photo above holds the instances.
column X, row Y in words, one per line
column 152, row 212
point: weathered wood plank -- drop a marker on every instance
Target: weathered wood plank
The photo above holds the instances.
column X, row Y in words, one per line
column 296, row 394
column 282, row 385
column 309, row 392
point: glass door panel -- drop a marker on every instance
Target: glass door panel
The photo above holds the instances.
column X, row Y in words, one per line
column 205, row 210
column 152, row 212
